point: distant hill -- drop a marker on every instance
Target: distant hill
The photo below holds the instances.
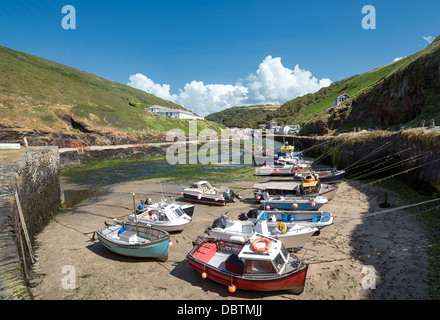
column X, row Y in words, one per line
column 244, row 117
column 41, row 95
column 404, row 92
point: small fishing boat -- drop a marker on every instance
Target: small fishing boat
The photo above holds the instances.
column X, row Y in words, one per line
column 325, row 176
column 135, row 240
column 318, row 219
column 307, row 187
column 166, row 216
column 203, row 192
column 294, row 236
column 275, row 170
column 292, row 202
column 261, row 264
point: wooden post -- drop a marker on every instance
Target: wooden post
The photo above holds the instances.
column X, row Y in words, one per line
column 23, row 223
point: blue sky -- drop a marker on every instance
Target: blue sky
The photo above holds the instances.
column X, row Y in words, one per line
column 221, row 42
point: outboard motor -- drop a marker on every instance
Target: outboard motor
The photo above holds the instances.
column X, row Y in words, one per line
column 242, row 216
column 252, row 214
column 228, row 197
column 220, row 222
column 233, row 194
column 148, row 201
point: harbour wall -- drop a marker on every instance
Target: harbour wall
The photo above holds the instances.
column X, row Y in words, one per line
column 414, row 155
column 31, row 176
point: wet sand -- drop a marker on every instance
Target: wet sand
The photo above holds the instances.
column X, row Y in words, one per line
column 361, row 256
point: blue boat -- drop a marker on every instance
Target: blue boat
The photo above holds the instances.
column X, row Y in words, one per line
column 135, row 240
column 318, row 219
column 288, row 202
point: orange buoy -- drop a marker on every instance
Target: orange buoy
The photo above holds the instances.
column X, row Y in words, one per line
column 204, row 275
column 170, row 243
column 267, row 207
column 294, row 205
column 257, row 248
column 232, row 288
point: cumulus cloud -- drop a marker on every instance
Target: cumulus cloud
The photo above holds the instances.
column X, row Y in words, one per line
column 272, row 83
column 397, row 59
column 142, row 82
column 428, row 38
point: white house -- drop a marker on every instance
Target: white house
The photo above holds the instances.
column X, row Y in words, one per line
column 338, row 101
column 175, row 113
column 284, row 130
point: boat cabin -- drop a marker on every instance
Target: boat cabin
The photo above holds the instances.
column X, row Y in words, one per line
column 202, row 186
column 271, row 259
column 162, row 212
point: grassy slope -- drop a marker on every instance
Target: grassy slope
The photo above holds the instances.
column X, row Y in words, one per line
column 243, row 117
column 35, row 92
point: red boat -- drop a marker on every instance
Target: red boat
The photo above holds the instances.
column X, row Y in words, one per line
column 262, row 264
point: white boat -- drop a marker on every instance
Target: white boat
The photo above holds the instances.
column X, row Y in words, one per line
column 292, row 202
column 318, row 219
column 292, row 236
column 203, row 192
column 162, row 215
column 308, row 187
column 275, row 170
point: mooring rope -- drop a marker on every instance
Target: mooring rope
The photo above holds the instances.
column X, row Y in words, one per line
column 404, row 161
column 369, row 155
column 394, row 175
column 388, row 156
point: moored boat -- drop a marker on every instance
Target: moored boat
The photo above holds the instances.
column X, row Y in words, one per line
column 261, row 264
column 325, row 176
column 308, row 187
column 135, row 240
column 203, row 192
column 166, row 216
column 294, row 236
column 318, row 219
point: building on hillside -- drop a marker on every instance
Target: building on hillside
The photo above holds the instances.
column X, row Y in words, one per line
column 273, row 124
column 338, row 101
column 175, row 113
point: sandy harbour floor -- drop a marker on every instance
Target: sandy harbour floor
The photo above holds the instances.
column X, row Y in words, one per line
column 363, row 255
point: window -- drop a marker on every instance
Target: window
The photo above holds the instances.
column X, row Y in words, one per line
column 279, row 262
column 259, row 266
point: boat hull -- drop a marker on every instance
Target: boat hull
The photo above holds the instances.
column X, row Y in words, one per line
column 291, row 239
column 287, row 204
column 205, row 199
column 318, row 219
column 290, row 282
column 157, row 249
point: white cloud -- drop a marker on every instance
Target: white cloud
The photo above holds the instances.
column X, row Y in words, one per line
column 139, row 81
column 397, row 59
column 271, row 84
column 429, row 39
column 276, row 84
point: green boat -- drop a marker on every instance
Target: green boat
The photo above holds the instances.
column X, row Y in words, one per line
column 135, row 240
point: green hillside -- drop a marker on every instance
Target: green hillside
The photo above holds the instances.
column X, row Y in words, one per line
column 400, row 93
column 244, row 117
column 37, row 93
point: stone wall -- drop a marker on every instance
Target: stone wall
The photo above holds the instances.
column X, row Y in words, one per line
column 35, row 176
column 364, row 147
